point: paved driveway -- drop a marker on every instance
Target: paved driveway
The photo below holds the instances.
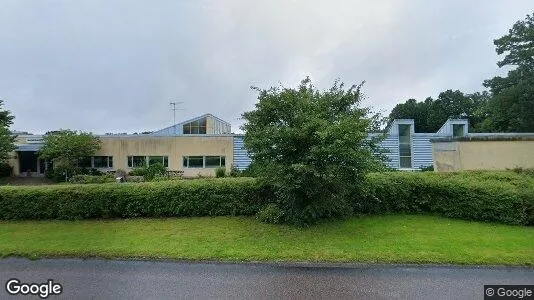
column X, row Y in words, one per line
column 107, row 279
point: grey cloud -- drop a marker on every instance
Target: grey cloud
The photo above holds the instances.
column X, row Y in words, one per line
column 114, row 65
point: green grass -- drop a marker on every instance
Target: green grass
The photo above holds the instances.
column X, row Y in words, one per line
column 380, row 239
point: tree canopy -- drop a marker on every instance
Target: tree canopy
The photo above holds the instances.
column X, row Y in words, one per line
column 512, row 106
column 66, row 148
column 312, row 146
column 429, row 115
column 7, row 139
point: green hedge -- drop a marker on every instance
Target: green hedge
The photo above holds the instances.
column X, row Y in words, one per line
column 503, row 197
column 215, row 197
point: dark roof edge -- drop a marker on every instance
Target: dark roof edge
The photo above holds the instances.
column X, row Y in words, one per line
column 486, row 137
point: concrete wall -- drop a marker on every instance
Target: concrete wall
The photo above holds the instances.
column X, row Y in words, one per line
column 482, row 155
column 174, row 147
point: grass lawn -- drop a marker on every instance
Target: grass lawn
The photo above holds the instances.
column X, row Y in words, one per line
column 382, row 239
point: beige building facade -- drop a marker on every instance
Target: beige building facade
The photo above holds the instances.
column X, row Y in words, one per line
column 484, row 152
column 195, row 147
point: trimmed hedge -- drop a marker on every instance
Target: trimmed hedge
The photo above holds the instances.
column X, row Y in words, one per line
column 502, row 197
column 215, row 197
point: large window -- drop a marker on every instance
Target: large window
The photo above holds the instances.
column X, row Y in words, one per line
column 204, row 161
column 102, row 161
column 136, row 161
column 195, row 127
column 405, row 146
column 215, row 161
column 84, row 162
column 96, row 162
column 141, row 161
column 193, row 161
column 164, row 160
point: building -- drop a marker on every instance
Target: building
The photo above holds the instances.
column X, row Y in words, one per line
column 496, row 151
column 195, row 146
column 199, row 145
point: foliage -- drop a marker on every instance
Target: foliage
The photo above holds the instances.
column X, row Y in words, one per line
column 429, row 168
column 134, row 178
column 235, row 172
column 66, row 148
column 7, row 140
column 5, row 169
column 137, row 171
column 271, row 213
column 150, row 172
column 431, row 114
column 311, row 146
column 503, row 197
column 83, row 179
column 512, row 107
column 213, row 197
column 220, row 172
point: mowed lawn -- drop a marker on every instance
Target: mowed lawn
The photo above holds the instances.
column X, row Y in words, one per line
column 380, row 239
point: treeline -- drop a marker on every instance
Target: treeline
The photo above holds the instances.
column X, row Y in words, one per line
column 507, row 106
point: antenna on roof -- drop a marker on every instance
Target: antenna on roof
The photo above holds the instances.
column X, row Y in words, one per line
column 174, row 109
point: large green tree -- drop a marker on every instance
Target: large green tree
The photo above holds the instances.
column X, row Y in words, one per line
column 312, row 147
column 66, row 148
column 512, row 105
column 430, row 114
column 7, row 139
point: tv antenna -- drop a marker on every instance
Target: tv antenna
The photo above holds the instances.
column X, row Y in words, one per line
column 174, row 109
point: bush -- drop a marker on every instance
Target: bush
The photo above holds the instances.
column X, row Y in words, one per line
column 150, row 172
column 427, row 169
column 502, row 197
column 5, row 169
column 83, row 179
column 271, row 213
column 135, row 179
column 220, row 172
column 179, row 198
column 138, row 171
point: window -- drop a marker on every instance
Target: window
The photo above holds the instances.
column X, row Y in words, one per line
column 102, row 161
column 193, row 161
column 458, row 129
column 215, row 161
column 204, row 161
column 405, row 146
column 164, row 160
column 195, row 127
column 136, row 161
column 141, row 161
column 85, row 162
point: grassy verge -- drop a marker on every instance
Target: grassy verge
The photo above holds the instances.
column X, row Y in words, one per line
column 383, row 239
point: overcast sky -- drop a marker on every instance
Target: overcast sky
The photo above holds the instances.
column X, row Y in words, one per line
column 113, row 66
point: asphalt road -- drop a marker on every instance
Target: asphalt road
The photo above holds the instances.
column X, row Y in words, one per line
column 107, row 279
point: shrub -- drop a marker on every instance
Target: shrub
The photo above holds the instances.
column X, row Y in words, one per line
column 83, row 179
column 135, row 179
column 235, row 172
column 138, row 171
column 502, row 197
column 179, row 198
column 220, row 172
column 271, row 213
column 427, row 168
column 5, row 169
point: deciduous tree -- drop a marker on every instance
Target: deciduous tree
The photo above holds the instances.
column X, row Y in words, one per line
column 312, row 147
